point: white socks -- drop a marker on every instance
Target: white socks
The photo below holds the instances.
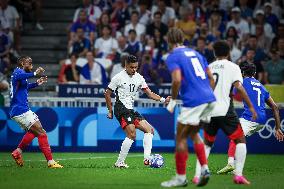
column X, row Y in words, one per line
column 240, row 155
column 125, row 146
column 51, row 161
column 147, row 144
column 198, row 166
column 231, row 161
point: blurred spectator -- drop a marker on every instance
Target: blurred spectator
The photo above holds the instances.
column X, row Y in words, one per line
column 232, row 32
column 246, row 12
column 81, row 45
column 240, row 24
column 71, row 71
column 120, row 14
column 260, row 55
column 134, row 46
column 106, row 46
column 4, row 52
column 216, row 25
column 160, row 44
column 88, row 27
column 260, row 20
column 135, row 25
column 4, row 86
column 164, row 76
column 176, row 4
column 93, row 72
column 168, row 13
column 202, row 49
column 146, row 70
column 213, row 6
column 105, row 20
column 270, row 17
column 235, row 53
column 144, row 13
column 93, row 11
column 203, row 32
column 122, row 45
column 105, row 5
column 187, row 25
column 11, row 15
column 199, row 13
column 280, row 47
column 132, row 5
column 157, row 24
column 116, row 68
column 263, row 41
column 29, row 10
column 274, row 69
column 250, row 57
column 226, row 5
column 279, row 35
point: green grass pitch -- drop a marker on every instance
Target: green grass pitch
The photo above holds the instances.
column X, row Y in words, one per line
column 95, row 170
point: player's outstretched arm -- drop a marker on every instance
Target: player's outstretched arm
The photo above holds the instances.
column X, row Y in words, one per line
column 238, row 85
column 156, row 97
column 278, row 133
column 108, row 103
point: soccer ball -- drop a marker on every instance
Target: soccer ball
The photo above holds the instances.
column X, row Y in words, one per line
column 156, row 161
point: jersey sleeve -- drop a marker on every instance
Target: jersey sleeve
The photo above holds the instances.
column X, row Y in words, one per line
column 32, row 85
column 172, row 63
column 113, row 83
column 20, row 75
column 266, row 93
column 236, row 74
column 143, row 83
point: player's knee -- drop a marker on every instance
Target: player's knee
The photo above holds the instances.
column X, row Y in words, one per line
column 180, row 147
column 132, row 135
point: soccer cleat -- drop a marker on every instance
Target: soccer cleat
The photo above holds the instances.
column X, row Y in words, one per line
column 195, row 180
column 17, row 156
column 175, row 182
column 120, row 165
column 146, row 162
column 227, row 169
column 241, row 180
column 54, row 165
column 204, row 178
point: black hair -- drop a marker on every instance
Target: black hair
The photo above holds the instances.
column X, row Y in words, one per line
column 248, row 69
column 21, row 59
column 221, row 48
column 252, row 36
column 132, row 31
column 157, row 13
column 107, row 26
column 131, row 59
column 135, row 12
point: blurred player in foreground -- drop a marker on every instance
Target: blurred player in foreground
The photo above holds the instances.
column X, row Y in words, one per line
column 227, row 75
column 126, row 84
column 21, row 113
column 259, row 96
column 193, row 79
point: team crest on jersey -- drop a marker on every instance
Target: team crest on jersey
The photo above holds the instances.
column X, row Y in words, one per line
column 129, row 118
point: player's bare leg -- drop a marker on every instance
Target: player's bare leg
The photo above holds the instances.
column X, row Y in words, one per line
column 240, row 156
column 147, row 140
column 40, row 133
column 125, row 146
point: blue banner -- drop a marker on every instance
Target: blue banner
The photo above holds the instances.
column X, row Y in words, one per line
column 88, row 129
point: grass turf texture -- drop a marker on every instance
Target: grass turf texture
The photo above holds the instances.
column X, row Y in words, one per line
column 95, row 170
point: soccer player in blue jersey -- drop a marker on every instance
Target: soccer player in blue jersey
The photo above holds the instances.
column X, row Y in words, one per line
column 259, row 96
column 194, row 81
column 21, row 113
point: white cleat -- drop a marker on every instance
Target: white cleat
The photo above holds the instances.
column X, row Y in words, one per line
column 120, row 165
column 175, row 182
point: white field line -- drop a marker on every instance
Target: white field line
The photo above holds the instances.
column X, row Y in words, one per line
column 78, row 158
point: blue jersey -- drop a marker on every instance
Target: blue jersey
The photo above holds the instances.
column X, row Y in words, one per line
column 195, row 86
column 258, row 96
column 19, row 91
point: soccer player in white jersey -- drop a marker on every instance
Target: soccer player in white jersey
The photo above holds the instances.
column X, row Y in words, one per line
column 126, row 85
column 227, row 75
column 259, row 97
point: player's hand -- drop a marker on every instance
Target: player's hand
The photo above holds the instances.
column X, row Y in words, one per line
column 171, row 105
column 279, row 135
column 168, row 100
column 41, row 80
column 110, row 115
column 254, row 114
column 39, row 71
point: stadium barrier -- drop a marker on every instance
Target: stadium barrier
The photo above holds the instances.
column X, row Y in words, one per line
column 80, row 124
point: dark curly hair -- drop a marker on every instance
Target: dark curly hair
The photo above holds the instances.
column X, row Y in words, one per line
column 21, row 59
column 131, row 59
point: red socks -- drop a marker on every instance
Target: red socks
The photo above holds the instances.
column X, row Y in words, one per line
column 200, row 153
column 44, row 146
column 232, row 149
column 181, row 158
column 27, row 139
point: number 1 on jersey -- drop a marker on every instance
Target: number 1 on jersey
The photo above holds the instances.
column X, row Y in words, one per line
column 258, row 94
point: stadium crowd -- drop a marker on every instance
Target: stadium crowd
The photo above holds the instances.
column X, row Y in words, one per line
column 109, row 29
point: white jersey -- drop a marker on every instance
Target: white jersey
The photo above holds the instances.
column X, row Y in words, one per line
column 225, row 74
column 126, row 87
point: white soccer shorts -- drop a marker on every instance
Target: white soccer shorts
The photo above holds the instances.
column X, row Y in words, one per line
column 250, row 127
column 26, row 120
column 193, row 116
